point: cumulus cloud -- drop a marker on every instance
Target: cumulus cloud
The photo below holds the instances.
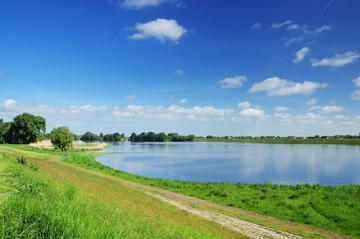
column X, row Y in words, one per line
column 355, row 95
column 300, row 55
column 281, row 108
column 233, row 82
column 282, row 115
column 150, row 111
column 338, row 60
column 341, row 117
column 256, row 26
column 315, row 107
column 182, row 101
column 309, row 118
column 357, row 82
column 11, row 105
column 85, row 109
column 137, row 4
column 332, row 109
column 197, row 110
column 161, row 29
column 130, row 97
column 280, row 24
column 279, row 87
column 312, row 101
column 244, row 105
column 251, row 112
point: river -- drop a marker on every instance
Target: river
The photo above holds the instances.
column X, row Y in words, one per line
column 238, row 162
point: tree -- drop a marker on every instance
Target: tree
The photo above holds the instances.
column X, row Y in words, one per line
column 2, row 131
column 88, row 136
column 133, row 137
column 62, row 138
column 24, row 129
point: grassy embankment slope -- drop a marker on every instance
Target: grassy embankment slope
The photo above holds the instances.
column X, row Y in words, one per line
column 335, row 209
column 44, row 198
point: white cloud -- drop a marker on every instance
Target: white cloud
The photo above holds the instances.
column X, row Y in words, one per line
column 256, row 26
column 182, row 101
column 312, row 101
column 300, row 55
column 341, row 117
column 197, row 110
column 294, row 39
column 357, row 117
column 233, row 82
column 309, row 118
column 251, row 112
column 130, row 97
column 293, row 27
column 305, row 32
column 338, row 60
column 12, row 106
column 357, row 82
column 161, row 29
column 120, row 114
column 332, row 109
column 281, row 108
column 137, row 4
column 9, row 103
column 179, row 72
column 85, row 109
column 321, row 29
column 244, row 105
column 279, row 87
column 355, row 95
column 280, row 24
column 315, row 107
column 282, row 115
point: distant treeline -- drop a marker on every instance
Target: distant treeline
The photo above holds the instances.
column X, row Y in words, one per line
column 160, row 137
column 90, row 137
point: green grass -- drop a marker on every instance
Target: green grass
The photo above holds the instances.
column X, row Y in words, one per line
column 332, row 208
column 67, row 203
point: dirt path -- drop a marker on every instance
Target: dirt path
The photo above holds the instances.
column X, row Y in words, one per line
column 249, row 229
column 207, row 210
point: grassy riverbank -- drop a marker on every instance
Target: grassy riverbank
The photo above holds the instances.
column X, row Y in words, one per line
column 45, row 199
column 335, row 208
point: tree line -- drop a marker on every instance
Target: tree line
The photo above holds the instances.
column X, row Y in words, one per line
column 91, row 137
column 27, row 128
column 160, row 137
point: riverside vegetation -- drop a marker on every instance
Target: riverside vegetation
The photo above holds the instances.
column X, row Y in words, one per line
column 332, row 208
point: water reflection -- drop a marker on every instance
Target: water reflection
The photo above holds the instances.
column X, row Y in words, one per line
column 236, row 162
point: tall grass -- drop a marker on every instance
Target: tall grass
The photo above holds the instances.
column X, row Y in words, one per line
column 34, row 205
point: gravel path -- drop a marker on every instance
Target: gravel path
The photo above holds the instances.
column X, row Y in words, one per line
column 246, row 228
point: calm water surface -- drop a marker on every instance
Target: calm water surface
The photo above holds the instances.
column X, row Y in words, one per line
column 238, row 162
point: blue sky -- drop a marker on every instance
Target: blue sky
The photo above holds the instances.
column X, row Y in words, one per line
column 193, row 67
